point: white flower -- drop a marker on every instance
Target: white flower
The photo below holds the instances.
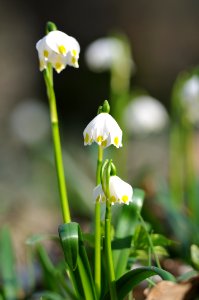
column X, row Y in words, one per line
column 145, row 115
column 103, row 130
column 59, row 49
column 29, row 121
column 103, row 53
column 190, row 99
column 190, row 91
column 120, row 192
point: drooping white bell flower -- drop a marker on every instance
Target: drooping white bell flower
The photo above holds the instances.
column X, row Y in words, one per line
column 59, row 49
column 190, row 91
column 145, row 115
column 120, row 192
column 105, row 52
column 103, row 130
column 190, row 99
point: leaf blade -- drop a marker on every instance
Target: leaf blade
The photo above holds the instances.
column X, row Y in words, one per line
column 7, row 266
column 132, row 278
column 73, row 246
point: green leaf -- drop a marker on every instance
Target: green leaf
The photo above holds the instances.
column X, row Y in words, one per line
column 122, row 243
column 132, row 278
column 141, row 255
column 187, row 276
column 48, row 296
column 37, row 238
column 90, row 239
column 140, row 245
column 127, row 221
column 195, row 256
column 69, row 236
column 76, row 258
column 7, row 266
column 160, row 240
column 140, row 239
column 161, row 251
column 53, row 278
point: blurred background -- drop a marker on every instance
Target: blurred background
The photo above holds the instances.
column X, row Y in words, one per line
column 163, row 40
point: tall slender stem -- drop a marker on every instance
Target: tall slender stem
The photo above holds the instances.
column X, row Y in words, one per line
column 57, row 146
column 108, row 252
column 99, row 164
column 98, row 227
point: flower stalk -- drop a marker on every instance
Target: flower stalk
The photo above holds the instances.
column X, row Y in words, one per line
column 105, row 176
column 108, row 252
column 98, row 227
column 57, row 144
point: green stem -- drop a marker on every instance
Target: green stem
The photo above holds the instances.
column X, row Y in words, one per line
column 149, row 258
column 176, row 166
column 98, row 228
column 190, row 171
column 108, row 252
column 149, row 240
column 57, row 146
column 99, row 164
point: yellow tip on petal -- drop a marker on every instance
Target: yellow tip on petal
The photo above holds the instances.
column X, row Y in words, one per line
column 87, row 138
column 46, row 53
column 104, row 143
column 73, row 60
column 62, row 49
column 98, row 199
column 116, row 141
column 100, row 139
column 125, row 198
column 41, row 65
column 74, row 52
column 112, row 199
column 59, row 67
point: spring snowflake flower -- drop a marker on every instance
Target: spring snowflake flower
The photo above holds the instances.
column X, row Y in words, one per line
column 103, row 130
column 59, row 49
column 145, row 115
column 120, row 192
column 103, row 53
column 190, row 99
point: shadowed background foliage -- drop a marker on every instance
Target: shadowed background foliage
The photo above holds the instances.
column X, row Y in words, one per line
column 163, row 36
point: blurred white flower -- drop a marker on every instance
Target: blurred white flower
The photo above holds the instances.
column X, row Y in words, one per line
column 190, row 98
column 59, row 49
column 103, row 130
column 145, row 115
column 104, row 52
column 120, row 191
column 30, row 121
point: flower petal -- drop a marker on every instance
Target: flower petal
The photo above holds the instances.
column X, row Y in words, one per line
column 120, row 192
column 104, row 130
column 59, row 49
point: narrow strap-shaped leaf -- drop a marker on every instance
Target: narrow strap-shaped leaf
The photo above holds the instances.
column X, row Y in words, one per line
column 7, row 266
column 46, row 295
column 132, row 278
column 54, row 279
column 76, row 258
column 69, row 236
column 38, row 238
column 126, row 224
